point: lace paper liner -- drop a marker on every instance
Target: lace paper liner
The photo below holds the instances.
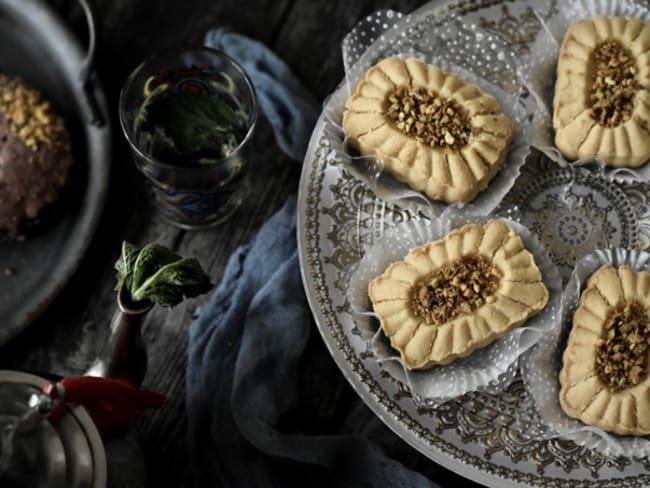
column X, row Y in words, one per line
column 541, row 366
column 539, row 73
column 486, row 62
column 493, row 366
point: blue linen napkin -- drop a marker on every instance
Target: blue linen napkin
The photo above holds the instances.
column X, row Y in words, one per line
column 290, row 109
column 247, row 343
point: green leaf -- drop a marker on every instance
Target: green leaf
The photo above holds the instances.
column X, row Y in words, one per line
column 156, row 274
column 125, row 264
column 151, row 258
column 173, row 282
column 196, row 123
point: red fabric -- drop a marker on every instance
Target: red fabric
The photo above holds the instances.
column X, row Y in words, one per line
column 111, row 403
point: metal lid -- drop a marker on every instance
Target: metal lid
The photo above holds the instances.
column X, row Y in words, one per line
column 67, row 453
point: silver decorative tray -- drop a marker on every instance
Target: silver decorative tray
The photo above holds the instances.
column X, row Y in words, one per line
column 484, row 436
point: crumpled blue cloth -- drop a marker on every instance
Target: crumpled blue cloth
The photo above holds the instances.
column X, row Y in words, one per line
column 290, row 109
column 246, row 358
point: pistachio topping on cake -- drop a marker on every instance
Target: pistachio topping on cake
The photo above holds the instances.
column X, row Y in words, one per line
column 622, row 356
column 457, row 288
column 429, row 118
column 614, row 86
column 31, row 117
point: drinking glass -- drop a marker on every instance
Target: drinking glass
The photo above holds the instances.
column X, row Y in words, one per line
column 190, row 196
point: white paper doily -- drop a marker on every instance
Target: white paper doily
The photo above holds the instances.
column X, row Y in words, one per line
column 478, row 57
column 491, row 366
column 538, row 69
column 541, row 366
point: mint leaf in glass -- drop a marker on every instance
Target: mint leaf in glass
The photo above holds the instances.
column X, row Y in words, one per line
column 192, row 128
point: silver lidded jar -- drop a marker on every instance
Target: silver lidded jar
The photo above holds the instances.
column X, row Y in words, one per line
column 35, row 452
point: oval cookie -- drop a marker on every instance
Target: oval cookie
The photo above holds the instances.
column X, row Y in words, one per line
column 601, row 105
column 604, row 376
column 434, row 131
column 457, row 294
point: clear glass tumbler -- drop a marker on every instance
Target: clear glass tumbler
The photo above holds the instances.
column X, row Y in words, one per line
column 190, row 194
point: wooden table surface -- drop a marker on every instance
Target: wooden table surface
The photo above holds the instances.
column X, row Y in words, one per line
column 64, row 340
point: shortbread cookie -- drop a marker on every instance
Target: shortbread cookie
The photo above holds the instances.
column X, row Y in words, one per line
column 458, row 294
column 433, row 131
column 604, row 377
column 602, row 104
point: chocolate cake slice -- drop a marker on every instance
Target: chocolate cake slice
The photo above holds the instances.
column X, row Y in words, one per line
column 35, row 155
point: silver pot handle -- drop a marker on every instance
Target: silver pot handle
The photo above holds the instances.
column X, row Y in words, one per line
column 87, row 73
column 86, row 68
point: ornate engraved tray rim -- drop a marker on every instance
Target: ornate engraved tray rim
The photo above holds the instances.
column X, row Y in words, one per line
column 317, row 298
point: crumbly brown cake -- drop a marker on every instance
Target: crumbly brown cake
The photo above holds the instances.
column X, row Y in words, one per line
column 455, row 295
column 35, row 155
column 602, row 104
column 433, row 131
column 604, row 377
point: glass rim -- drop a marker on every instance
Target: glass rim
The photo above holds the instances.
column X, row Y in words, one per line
column 178, row 51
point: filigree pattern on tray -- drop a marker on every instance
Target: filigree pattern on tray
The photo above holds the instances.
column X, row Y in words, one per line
column 574, row 212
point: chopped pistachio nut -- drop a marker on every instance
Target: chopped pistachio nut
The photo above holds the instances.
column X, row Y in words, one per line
column 429, row 118
column 622, row 354
column 455, row 289
column 612, row 92
column 30, row 117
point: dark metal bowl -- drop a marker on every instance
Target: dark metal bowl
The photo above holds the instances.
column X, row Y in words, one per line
column 36, row 45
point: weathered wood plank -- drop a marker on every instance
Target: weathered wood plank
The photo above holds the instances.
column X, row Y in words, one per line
column 310, row 38
column 129, row 31
column 272, row 177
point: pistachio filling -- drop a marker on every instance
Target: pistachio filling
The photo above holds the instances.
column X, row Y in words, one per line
column 612, row 93
column 30, row 117
column 429, row 118
column 455, row 289
column 622, row 355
